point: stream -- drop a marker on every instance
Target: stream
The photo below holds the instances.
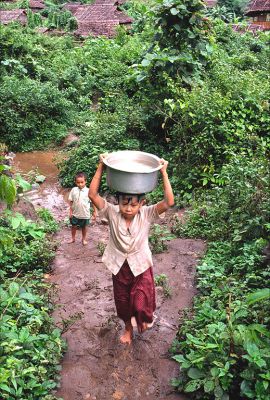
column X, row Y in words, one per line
column 49, row 194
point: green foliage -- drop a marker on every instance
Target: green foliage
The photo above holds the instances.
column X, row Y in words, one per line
column 49, row 222
column 225, row 347
column 221, row 13
column 10, row 186
column 33, row 19
column 238, row 7
column 159, row 236
column 201, row 100
column 7, row 188
column 180, row 44
column 211, row 122
column 223, row 350
column 162, row 280
column 46, row 109
column 30, row 345
column 237, row 211
column 62, row 19
column 23, row 245
column 260, row 295
column 101, row 247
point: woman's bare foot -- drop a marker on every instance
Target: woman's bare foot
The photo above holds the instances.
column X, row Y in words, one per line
column 71, row 241
column 84, row 242
column 148, row 325
column 144, row 327
column 127, row 336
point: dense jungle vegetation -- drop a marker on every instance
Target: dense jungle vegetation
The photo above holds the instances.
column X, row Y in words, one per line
column 30, row 344
column 185, row 87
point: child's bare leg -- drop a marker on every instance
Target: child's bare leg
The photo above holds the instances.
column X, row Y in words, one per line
column 84, row 232
column 73, row 233
column 128, row 334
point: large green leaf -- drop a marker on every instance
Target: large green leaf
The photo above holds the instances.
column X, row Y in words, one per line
column 260, row 295
column 7, row 189
column 195, row 373
column 192, row 386
column 22, row 183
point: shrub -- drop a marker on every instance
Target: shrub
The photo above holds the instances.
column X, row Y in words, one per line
column 30, row 345
column 50, row 224
column 32, row 114
column 223, row 345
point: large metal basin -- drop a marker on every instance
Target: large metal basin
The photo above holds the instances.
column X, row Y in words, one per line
column 132, row 171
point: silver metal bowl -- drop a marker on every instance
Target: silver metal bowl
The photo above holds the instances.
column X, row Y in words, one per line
column 132, row 171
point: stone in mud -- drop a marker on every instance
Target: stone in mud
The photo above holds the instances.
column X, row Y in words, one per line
column 26, row 208
column 40, row 178
column 118, row 395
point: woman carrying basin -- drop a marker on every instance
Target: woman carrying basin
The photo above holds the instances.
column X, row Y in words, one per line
column 127, row 254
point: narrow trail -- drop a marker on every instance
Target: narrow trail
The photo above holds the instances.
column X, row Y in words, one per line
column 96, row 366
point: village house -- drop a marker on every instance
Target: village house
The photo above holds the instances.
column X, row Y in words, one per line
column 17, row 15
column 259, row 14
column 20, row 14
column 98, row 19
column 36, row 6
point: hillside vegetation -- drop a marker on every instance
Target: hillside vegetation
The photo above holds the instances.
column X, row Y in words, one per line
column 191, row 90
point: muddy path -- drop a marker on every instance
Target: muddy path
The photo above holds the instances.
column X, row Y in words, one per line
column 96, row 366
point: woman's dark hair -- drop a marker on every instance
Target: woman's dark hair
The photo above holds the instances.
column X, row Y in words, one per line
column 140, row 196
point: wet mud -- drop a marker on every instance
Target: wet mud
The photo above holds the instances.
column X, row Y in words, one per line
column 49, row 194
column 96, row 366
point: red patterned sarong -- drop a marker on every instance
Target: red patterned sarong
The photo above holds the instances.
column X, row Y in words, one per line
column 134, row 295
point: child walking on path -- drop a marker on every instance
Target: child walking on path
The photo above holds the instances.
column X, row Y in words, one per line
column 79, row 211
column 127, row 254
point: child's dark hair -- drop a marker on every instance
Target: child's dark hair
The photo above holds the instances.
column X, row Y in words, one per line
column 139, row 196
column 80, row 175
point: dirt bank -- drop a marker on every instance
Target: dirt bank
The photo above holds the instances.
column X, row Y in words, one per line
column 96, row 365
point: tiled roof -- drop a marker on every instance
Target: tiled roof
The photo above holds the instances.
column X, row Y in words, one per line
column 36, row 4
column 72, row 7
column 96, row 29
column 258, row 6
column 100, row 18
column 7, row 16
column 210, row 3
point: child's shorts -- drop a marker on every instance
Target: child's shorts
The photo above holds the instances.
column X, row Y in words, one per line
column 79, row 222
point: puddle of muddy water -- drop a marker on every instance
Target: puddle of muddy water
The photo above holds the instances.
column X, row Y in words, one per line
column 49, row 194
